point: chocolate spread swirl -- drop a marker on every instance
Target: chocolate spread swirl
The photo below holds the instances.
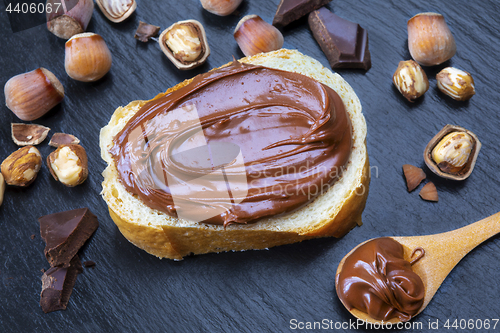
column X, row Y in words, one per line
column 287, row 134
column 377, row 280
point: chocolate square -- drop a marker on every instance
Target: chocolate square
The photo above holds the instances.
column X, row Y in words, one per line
column 65, row 233
column 344, row 43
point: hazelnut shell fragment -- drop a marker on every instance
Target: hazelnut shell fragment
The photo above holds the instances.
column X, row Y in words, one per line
column 145, row 31
column 429, row 192
column 2, row 188
column 59, row 139
column 205, row 49
column 21, row 167
column 68, row 164
column 413, row 175
column 466, row 171
column 28, row 134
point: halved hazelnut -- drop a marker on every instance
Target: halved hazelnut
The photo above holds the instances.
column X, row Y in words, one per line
column 429, row 192
column 28, row 134
column 68, row 164
column 21, row 167
column 59, row 139
column 413, row 175
column 185, row 44
column 254, row 35
column 452, row 153
column 117, row 10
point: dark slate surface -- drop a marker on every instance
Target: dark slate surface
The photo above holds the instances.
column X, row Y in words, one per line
column 253, row 291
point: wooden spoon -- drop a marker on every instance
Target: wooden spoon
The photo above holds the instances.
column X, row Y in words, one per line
column 442, row 253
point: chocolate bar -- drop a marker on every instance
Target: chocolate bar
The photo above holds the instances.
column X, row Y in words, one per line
column 64, row 234
column 291, row 10
column 344, row 43
column 57, row 285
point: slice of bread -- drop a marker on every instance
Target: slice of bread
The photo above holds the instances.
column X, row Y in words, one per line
column 332, row 213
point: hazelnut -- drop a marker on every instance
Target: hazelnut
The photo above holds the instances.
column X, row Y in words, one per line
column 22, row 166
column 185, row 44
column 117, row 10
column 410, row 80
column 68, row 164
column 87, row 57
column 2, row 188
column 254, row 35
column 456, row 83
column 430, row 40
column 33, row 94
column 65, row 21
column 220, row 7
column 452, row 153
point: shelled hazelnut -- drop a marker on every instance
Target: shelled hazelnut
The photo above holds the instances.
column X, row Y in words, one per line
column 185, row 44
column 452, row 153
column 410, row 80
column 117, row 10
column 21, row 167
column 66, row 22
column 68, row 164
column 220, row 7
column 456, row 83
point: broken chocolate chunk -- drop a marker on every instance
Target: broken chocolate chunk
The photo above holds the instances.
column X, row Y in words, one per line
column 64, row 234
column 59, row 139
column 344, row 43
column 291, row 10
column 57, row 285
column 145, row 31
column 28, row 134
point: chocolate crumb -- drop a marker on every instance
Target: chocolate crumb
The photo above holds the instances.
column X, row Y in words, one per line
column 89, row 263
column 32, row 236
column 145, row 31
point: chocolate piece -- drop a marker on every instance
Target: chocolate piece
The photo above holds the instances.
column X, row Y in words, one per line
column 28, row 134
column 59, row 139
column 291, row 131
column 344, row 43
column 377, row 280
column 57, row 285
column 65, row 233
column 291, row 10
column 145, row 31
column 89, row 263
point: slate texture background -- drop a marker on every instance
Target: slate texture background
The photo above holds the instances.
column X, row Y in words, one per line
column 253, row 291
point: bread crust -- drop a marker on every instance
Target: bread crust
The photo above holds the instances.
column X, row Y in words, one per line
column 175, row 241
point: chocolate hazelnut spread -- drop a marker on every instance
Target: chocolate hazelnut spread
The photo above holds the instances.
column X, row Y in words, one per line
column 287, row 134
column 377, row 280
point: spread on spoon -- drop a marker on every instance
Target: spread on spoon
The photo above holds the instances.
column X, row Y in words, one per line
column 377, row 280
